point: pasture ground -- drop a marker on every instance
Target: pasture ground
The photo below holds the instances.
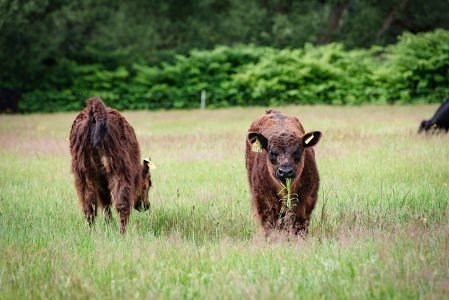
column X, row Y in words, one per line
column 380, row 228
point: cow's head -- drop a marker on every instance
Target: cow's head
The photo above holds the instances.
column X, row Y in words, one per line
column 425, row 126
column 142, row 203
column 285, row 152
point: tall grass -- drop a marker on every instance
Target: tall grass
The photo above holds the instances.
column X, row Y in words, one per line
column 380, row 228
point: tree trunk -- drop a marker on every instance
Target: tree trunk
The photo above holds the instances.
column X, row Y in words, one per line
column 391, row 17
column 334, row 21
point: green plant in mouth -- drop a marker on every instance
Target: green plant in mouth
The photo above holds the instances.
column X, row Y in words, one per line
column 288, row 198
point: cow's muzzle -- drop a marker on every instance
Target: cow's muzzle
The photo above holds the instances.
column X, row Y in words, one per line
column 284, row 172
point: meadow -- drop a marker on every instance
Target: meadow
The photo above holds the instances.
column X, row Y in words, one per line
column 380, row 229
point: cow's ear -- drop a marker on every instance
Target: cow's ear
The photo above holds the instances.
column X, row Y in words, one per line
column 311, row 138
column 146, row 165
column 258, row 141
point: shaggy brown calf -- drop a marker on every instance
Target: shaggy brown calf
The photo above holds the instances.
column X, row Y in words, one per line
column 106, row 163
column 277, row 149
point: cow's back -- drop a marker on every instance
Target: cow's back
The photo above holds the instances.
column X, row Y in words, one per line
column 117, row 154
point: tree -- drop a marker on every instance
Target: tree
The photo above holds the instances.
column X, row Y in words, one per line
column 334, row 21
column 391, row 17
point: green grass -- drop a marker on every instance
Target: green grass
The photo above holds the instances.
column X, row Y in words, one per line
column 380, row 228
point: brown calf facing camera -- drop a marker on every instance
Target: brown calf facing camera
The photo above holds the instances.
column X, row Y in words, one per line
column 278, row 151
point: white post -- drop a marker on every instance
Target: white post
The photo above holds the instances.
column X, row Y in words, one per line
column 203, row 99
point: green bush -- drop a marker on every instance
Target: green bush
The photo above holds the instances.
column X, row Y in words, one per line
column 326, row 74
column 414, row 69
column 179, row 84
column 66, row 88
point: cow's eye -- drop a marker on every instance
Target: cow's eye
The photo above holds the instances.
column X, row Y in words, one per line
column 273, row 156
column 297, row 156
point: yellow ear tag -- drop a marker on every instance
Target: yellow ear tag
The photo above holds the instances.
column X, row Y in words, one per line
column 308, row 139
column 151, row 165
column 256, row 146
column 434, row 126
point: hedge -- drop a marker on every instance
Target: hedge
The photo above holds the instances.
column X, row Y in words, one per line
column 416, row 68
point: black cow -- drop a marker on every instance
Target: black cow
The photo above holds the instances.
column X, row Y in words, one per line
column 439, row 121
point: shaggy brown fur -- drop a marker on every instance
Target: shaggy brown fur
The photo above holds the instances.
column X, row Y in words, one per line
column 106, row 162
column 286, row 153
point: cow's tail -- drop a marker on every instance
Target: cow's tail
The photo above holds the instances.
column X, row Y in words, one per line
column 98, row 118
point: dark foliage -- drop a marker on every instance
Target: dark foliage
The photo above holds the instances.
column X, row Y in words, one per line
column 56, row 53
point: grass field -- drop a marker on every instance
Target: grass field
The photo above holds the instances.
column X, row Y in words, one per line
column 380, row 228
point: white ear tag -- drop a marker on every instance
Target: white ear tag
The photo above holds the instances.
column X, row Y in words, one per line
column 256, row 146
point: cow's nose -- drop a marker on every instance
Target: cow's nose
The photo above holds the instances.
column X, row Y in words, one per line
column 285, row 172
column 146, row 206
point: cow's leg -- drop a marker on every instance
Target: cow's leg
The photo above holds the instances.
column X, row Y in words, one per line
column 289, row 222
column 300, row 227
column 107, row 213
column 302, row 218
column 122, row 197
column 86, row 196
column 105, row 199
column 267, row 215
column 89, row 205
column 104, row 195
